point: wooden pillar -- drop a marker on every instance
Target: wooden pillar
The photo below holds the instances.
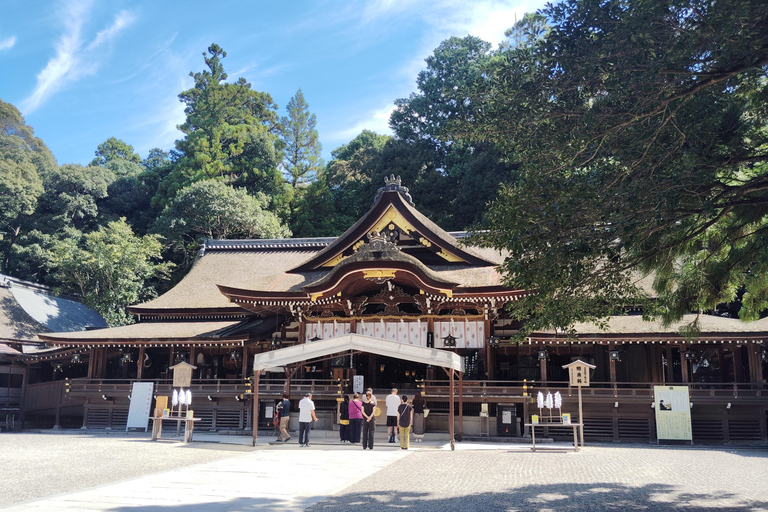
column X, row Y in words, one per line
column 92, row 354
column 738, row 373
column 656, row 375
column 451, row 408
column 755, row 364
column 140, row 364
column 612, row 371
column 685, row 365
column 245, row 362
column 461, row 406
column 543, row 369
column 670, row 373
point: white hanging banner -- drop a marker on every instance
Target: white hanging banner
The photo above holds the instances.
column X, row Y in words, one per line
column 407, row 333
column 141, row 404
column 326, row 330
column 468, row 334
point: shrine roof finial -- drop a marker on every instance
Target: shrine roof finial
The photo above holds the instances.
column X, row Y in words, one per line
column 392, row 184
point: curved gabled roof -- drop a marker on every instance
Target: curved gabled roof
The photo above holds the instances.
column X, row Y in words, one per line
column 391, row 208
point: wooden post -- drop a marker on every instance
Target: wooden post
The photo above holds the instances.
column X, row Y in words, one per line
column 612, row 368
column 91, row 358
column 450, row 409
column 581, row 418
column 256, row 376
column 461, row 406
column 245, row 362
column 140, row 364
column 670, row 374
column 543, row 369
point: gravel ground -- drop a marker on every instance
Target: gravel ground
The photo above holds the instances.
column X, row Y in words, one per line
column 601, row 478
column 38, row 465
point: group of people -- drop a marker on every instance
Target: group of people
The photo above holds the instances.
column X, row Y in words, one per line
column 360, row 414
column 358, row 418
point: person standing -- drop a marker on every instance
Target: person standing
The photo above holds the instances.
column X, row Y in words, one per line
column 369, row 393
column 344, row 420
column 369, row 421
column 392, row 402
column 419, row 425
column 404, row 421
column 284, row 415
column 306, row 417
column 355, row 418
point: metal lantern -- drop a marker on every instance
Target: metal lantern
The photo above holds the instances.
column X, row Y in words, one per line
column 543, row 354
column 235, row 356
column 689, row 355
column 449, row 341
column 615, row 355
column 77, row 359
column 494, row 341
column 276, row 342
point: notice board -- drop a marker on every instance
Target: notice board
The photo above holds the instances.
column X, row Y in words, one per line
column 141, row 404
column 673, row 413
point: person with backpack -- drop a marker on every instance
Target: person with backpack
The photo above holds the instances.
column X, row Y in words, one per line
column 284, row 415
column 404, row 422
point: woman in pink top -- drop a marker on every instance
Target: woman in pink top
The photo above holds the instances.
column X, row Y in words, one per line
column 355, row 418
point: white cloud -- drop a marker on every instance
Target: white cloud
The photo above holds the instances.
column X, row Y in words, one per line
column 7, row 44
column 377, row 121
column 73, row 61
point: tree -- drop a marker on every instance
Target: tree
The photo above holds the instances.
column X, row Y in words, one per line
column 115, row 149
column 24, row 159
column 109, row 268
column 460, row 175
column 640, row 129
column 230, row 135
column 212, row 209
column 302, row 144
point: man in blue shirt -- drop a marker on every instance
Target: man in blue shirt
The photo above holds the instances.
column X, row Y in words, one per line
column 284, row 414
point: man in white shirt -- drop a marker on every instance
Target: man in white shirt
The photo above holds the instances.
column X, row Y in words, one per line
column 393, row 402
column 306, row 417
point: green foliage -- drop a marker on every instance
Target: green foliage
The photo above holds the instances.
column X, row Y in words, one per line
column 230, row 135
column 302, row 147
column 211, row 209
column 109, row 268
column 23, row 160
column 115, row 149
column 451, row 177
column 640, row 129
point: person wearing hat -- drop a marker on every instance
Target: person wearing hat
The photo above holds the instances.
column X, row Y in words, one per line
column 306, row 417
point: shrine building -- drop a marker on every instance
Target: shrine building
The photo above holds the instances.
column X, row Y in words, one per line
column 397, row 277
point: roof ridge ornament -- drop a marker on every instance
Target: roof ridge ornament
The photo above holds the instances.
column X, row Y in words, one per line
column 392, row 184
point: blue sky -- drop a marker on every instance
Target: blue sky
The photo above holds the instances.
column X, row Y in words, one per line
column 82, row 71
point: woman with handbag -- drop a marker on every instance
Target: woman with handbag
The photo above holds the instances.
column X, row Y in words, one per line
column 418, row 417
column 355, row 418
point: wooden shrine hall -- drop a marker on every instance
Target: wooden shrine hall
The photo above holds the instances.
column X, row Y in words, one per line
column 397, row 277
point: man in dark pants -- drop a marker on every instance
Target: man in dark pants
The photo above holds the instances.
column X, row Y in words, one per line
column 369, row 421
column 306, row 417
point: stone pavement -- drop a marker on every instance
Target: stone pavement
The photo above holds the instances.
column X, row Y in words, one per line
column 224, row 473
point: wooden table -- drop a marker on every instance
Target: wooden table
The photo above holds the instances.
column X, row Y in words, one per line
column 575, row 426
column 189, row 426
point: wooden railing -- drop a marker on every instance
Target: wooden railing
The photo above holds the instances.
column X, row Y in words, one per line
column 630, row 390
column 492, row 390
column 209, row 387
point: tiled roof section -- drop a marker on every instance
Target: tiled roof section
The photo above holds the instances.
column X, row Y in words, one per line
column 146, row 331
column 262, row 269
column 28, row 308
column 281, row 243
column 634, row 324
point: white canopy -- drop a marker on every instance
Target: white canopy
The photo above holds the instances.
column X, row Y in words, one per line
column 305, row 351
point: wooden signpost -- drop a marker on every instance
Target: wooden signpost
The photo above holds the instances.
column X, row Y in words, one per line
column 578, row 375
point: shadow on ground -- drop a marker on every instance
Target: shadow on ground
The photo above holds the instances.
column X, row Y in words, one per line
column 569, row 497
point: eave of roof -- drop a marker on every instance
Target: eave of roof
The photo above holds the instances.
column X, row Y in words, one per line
column 426, row 228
